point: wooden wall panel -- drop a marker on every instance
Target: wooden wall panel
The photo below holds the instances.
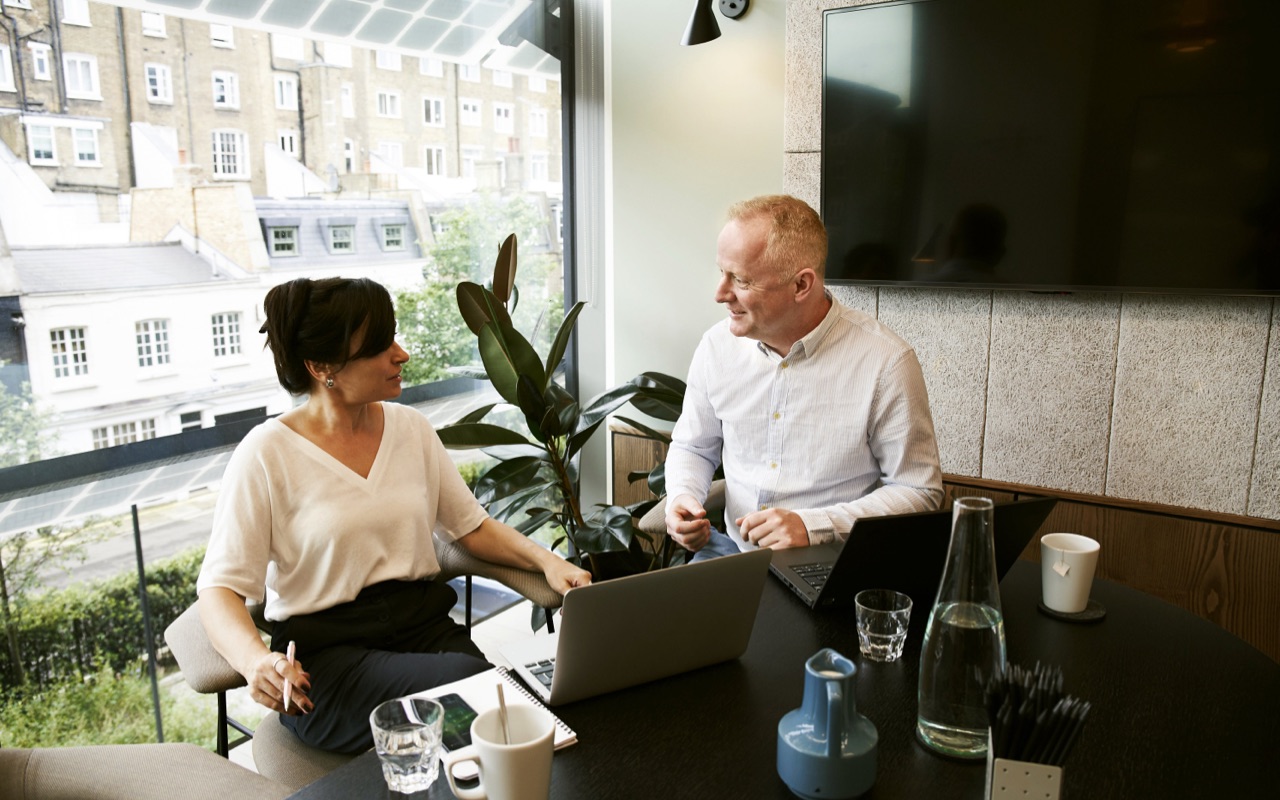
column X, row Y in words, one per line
column 631, row 453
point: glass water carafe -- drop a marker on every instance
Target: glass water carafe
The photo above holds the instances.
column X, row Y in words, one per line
column 964, row 641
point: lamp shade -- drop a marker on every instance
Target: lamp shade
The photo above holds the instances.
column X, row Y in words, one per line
column 702, row 25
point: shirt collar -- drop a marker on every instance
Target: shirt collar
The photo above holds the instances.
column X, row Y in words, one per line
column 807, row 345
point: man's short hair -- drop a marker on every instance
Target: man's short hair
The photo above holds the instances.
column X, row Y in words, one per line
column 797, row 238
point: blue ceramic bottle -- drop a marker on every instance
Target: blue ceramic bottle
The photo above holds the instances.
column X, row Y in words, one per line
column 826, row 749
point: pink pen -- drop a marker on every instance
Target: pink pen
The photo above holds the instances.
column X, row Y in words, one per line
column 288, row 687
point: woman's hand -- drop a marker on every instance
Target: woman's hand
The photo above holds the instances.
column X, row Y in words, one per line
column 267, row 679
column 563, row 576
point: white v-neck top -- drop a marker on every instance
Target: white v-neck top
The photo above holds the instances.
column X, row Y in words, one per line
column 295, row 520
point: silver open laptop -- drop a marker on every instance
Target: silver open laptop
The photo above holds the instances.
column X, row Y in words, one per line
column 627, row 631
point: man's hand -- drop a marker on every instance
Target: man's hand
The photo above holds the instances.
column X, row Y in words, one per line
column 775, row 528
column 687, row 523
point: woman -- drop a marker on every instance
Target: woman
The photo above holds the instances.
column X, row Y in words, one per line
column 331, row 508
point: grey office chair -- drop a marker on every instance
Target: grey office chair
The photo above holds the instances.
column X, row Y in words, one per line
column 277, row 753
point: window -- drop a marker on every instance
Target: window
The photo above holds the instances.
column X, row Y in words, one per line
column 348, row 101
column 537, row 121
column 75, row 12
column 287, row 92
column 469, row 72
column 537, row 83
column 81, row 73
column 40, row 144
column 85, row 141
column 557, row 217
column 70, row 352
column 226, row 334
column 433, row 111
column 286, row 46
column 191, row 420
column 469, row 111
column 393, row 237
column 288, row 140
column 388, row 103
column 152, row 337
column 159, row 83
column 392, row 153
column 152, row 24
column 470, row 155
column 230, row 154
column 284, row 241
column 501, row 78
column 337, row 55
column 433, row 160
column 342, row 239
column 349, row 154
column 387, row 59
column 538, row 166
column 41, row 64
column 222, row 35
column 226, row 90
column 124, row 433
column 6, row 71
column 432, row 67
column 502, row 117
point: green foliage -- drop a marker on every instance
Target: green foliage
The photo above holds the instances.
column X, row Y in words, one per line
column 24, row 428
column 534, row 483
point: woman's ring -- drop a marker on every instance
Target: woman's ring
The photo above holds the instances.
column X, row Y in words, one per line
column 276, row 664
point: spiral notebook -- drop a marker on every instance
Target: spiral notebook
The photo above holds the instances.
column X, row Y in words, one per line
column 480, row 692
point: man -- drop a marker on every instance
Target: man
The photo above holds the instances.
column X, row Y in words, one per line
column 818, row 412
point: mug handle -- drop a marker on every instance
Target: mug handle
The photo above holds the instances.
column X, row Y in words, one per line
column 448, row 762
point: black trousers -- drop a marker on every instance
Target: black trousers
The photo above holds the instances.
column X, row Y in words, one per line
column 394, row 639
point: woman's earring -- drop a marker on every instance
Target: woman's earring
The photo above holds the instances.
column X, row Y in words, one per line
column 328, row 383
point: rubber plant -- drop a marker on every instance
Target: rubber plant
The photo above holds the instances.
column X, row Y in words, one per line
column 535, row 480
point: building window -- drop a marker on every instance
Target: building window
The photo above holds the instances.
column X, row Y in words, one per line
column 286, row 46
column 538, row 166
column 537, row 83
column 432, row 67
column 152, row 336
column 469, row 72
column 159, row 83
column 288, row 141
column 152, row 24
column 349, row 154
column 342, row 239
column 85, row 141
column 41, row 63
column 226, row 90
column 6, row 71
column 469, row 111
column 388, row 104
column 191, row 420
column 287, row 92
column 348, row 101
column 40, row 145
column 81, row 73
column 75, row 12
column 124, row 433
column 70, row 352
column 222, row 35
column 226, row 334
column 337, row 55
column 433, row 111
column 502, row 113
column 284, row 241
column 537, row 121
column 100, row 438
column 433, row 160
column 387, row 59
column 392, row 153
column 230, row 154
column 502, row 78
column 470, row 155
column 393, row 237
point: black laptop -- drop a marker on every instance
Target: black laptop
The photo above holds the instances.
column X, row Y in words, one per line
column 904, row 552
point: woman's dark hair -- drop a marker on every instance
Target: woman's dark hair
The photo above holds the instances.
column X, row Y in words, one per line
column 314, row 320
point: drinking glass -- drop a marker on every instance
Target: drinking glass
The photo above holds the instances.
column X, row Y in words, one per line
column 406, row 734
column 883, row 616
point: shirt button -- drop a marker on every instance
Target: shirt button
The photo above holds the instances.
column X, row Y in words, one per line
column 784, row 365
column 763, row 506
column 774, row 465
column 776, row 415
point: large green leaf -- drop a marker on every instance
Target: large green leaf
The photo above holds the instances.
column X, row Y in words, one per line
column 504, row 269
column 507, row 355
column 480, row 306
column 609, row 530
column 516, row 502
column 537, row 518
column 562, row 413
column 506, row 477
column 579, row 440
column 661, row 436
column 533, row 405
column 556, row 354
column 504, row 452
column 660, row 396
column 605, row 403
column 478, row 414
column 465, row 435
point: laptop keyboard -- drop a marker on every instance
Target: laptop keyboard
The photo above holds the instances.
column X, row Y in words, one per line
column 814, row 574
column 543, row 670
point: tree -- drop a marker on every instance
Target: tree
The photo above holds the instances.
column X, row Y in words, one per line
column 431, row 329
column 23, row 427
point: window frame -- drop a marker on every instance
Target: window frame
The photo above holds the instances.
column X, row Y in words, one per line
column 290, row 137
column 157, row 351
column 504, row 115
column 233, row 344
column 41, row 61
column 385, row 240
column 94, row 91
column 431, row 67
column 347, row 100
column 387, row 60
column 433, row 160
column 473, row 118
column 243, row 169
column 158, row 27
column 230, row 89
column 292, row 239
column 433, row 111
column 7, row 83
column 44, row 161
column 76, row 131
column 162, row 94
column 340, row 239
column 217, row 39
column 73, row 348
column 76, row 12
column 286, row 91
column 387, row 103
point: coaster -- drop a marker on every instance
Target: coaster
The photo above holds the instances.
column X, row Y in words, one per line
column 1094, row 612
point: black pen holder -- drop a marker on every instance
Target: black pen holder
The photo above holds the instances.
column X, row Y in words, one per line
column 1007, row 779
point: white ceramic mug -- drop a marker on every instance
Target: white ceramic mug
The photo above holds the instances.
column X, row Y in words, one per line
column 520, row 770
column 1067, row 564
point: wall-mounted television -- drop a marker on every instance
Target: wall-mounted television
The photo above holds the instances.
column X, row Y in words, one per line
column 1058, row 145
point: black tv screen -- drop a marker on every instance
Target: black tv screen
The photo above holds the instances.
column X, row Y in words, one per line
column 1117, row 145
